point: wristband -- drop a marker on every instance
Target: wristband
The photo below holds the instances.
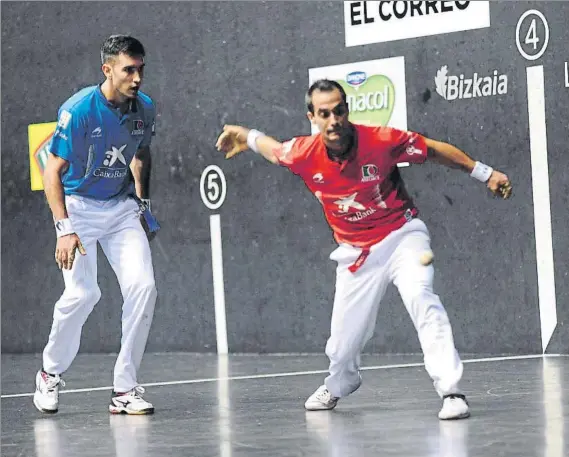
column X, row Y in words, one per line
column 252, row 139
column 481, row 172
column 63, row 227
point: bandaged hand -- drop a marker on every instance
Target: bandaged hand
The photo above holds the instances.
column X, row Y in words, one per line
column 500, row 185
column 147, row 220
column 232, row 140
column 150, row 234
column 65, row 250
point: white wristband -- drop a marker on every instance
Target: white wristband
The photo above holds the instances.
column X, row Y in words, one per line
column 481, row 172
column 252, row 139
column 63, row 227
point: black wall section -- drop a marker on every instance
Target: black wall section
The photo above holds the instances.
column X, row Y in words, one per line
column 210, row 63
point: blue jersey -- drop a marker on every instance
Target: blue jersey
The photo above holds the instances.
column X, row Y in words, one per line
column 99, row 142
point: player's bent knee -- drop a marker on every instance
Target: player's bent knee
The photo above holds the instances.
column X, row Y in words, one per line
column 147, row 287
column 79, row 300
column 90, row 297
column 81, row 296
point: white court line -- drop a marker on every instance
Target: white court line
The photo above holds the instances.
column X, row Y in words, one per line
column 218, row 285
column 292, row 373
column 553, row 409
column 541, row 204
column 224, row 407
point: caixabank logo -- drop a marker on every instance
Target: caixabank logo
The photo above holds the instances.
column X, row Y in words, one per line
column 462, row 86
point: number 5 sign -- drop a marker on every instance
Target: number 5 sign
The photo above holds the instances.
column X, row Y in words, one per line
column 213, row 187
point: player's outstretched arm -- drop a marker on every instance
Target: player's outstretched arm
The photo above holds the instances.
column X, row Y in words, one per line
column 453, row 157
column 235, row 139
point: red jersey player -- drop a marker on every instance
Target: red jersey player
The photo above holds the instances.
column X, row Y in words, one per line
column 352, row 170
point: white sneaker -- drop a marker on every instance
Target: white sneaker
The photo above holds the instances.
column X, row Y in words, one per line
column 455, row 406
column 130, row 402
column 46, row 396
column 320, row 400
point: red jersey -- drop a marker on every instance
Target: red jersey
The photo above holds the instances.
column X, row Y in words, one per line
column 364, row 198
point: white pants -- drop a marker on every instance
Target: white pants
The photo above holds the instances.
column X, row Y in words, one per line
column 117, row 228
column 356, row 304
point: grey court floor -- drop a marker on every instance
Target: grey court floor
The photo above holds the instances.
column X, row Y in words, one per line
column 253, row 406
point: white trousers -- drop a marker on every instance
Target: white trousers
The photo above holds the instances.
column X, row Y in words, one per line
column 356, row 304
column 117, row 228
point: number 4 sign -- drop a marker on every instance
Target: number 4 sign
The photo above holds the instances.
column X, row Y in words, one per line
column 535, row 38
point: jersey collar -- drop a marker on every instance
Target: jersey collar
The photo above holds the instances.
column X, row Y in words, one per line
column 133, row 106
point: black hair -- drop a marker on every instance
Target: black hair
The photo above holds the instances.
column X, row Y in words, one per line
column 323, row 85
column 116, row 44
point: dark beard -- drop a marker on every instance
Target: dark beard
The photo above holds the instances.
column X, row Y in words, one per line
column 340, row 155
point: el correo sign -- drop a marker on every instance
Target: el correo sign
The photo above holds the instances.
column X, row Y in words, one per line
column 378, row 22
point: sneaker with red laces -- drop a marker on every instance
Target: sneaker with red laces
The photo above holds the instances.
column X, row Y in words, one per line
column 46, row 396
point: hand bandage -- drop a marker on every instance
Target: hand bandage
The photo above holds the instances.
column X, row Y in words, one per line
column 145, row 212
column 146, row 201
column 252, row 139
column 481, row 172
column 63, row 227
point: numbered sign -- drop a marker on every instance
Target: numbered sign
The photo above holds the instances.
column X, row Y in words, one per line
column 532, row 34
column 213, row 187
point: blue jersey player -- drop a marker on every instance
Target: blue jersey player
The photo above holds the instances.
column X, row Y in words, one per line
column 97, row 182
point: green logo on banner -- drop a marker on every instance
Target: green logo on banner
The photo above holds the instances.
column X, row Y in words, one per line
column 371, row 100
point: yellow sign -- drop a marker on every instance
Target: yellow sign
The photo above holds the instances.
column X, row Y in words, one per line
column 39, row 137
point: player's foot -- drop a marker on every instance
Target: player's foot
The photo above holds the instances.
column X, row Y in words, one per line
column 46, row 396
column 130, row 402
column 455, row 406
column 320, row 400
